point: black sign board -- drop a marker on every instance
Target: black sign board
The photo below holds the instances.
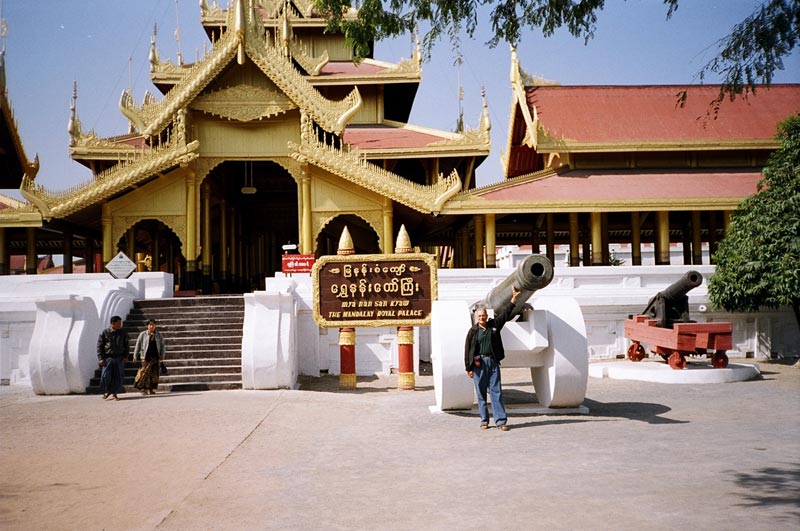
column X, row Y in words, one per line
column 374, row 290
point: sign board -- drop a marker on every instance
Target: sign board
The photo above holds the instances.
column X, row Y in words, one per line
column 297, row 263
column 121, row 266
column 374, row 290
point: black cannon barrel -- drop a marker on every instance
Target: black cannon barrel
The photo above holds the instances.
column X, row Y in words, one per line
column 672, row 305
column 534, row 273
column 682, row 286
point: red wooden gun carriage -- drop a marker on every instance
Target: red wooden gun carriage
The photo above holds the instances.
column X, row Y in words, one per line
column 666, row 329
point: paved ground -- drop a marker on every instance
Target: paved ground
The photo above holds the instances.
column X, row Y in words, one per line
column 647, row 456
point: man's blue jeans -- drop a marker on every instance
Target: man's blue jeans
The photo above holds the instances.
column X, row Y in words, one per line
column 487, row 378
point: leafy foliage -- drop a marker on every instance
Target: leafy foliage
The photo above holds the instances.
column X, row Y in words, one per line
column 749, row 55
column 758, row 261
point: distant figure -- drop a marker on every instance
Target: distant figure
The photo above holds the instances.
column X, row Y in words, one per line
column 112, row 350
column 150, row 350
column 483, row 352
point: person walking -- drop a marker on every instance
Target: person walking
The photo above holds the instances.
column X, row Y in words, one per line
column 483, row 352
column 149, row 350
column 112, row 351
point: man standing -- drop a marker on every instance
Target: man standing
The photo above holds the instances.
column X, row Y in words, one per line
column 112, row 350
column 483, row 352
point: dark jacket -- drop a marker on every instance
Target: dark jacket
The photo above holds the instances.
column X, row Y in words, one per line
column 112, row 344
column 494, row 325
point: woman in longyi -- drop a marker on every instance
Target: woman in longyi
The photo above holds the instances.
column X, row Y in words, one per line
column 149, row 350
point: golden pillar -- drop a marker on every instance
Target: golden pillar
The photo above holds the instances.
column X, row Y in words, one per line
column 662, row 238
column 596, row 223
column 3, row 252
column 205, row 192
column 478, row 219
column 31, row 260
column 191, row 226
column 108, row 244
column 491, row 242
column 697, row 244
column 306, row 238
column 574, row 239
column 405, row 334
column 388, row 226
column 636, row 239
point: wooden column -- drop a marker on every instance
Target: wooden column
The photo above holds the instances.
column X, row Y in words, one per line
column 205, row 193
column 130, row 243
column 31, row 260
column 306, row 245
column 234, row 253
column 191, row 231
column 479, row 234
column 605, row 250
column 491, row 245
column 67, row 253
column 712, row 236
column 347, row 335
column 108, row 245
column 596, row 226
column 636, row 239
column 535, row 235
column 223, row 246
column 405, row 334
column 88, row 255
column 388, row 225
column 697, row 244
column 156, row 250
column 574, row 235
column 662, row 238
column 4, row 266
column 550, row 245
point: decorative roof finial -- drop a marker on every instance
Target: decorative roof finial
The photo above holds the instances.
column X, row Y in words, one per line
column 403, row 244
column 240, row 28
column 486, row 124
column 73, row 126
column 514, row 65
column 153, row 50
column 178, row 31
column 345, row 243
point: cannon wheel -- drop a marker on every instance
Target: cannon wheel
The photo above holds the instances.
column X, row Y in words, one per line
column 636, row 351
column 677, row 360
column 719, row 360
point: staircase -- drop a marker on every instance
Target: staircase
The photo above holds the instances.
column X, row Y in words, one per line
column 203, row 340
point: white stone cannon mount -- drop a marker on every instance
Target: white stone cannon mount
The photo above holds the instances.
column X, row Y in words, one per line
column 549, row 338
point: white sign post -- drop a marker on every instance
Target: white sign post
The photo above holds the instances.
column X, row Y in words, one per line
column 121, row 266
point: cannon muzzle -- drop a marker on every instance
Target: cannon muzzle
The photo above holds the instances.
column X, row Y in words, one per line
column 672, row 304
column 533, row 274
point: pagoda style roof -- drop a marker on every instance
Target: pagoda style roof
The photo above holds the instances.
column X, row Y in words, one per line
column 615, row 118
column 612, row 190
column 400, row 140
column 242, row 37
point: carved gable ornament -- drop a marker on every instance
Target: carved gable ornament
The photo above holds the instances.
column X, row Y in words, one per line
column 243, row 103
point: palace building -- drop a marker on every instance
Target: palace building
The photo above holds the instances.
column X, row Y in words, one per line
column 276, row 136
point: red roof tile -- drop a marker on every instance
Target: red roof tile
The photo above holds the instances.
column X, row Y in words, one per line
column 348, row 68
column 641, row 114
column 632, row 185
column 387, row 137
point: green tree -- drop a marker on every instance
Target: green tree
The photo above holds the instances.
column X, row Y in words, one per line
column 758, row 261
column 749, row 55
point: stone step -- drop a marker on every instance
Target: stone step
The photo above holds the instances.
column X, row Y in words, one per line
column 179, row 335
column 183, row 316
column 202, row 369
column 183, row 302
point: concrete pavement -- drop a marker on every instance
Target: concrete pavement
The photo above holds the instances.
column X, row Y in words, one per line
column 646, row 456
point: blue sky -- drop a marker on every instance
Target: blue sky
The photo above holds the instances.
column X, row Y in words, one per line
column 104, row 45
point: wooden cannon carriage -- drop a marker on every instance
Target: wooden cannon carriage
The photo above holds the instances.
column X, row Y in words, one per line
column 666, row 329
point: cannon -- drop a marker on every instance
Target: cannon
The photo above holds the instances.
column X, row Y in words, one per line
column 668, row 331
column 550, row 339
